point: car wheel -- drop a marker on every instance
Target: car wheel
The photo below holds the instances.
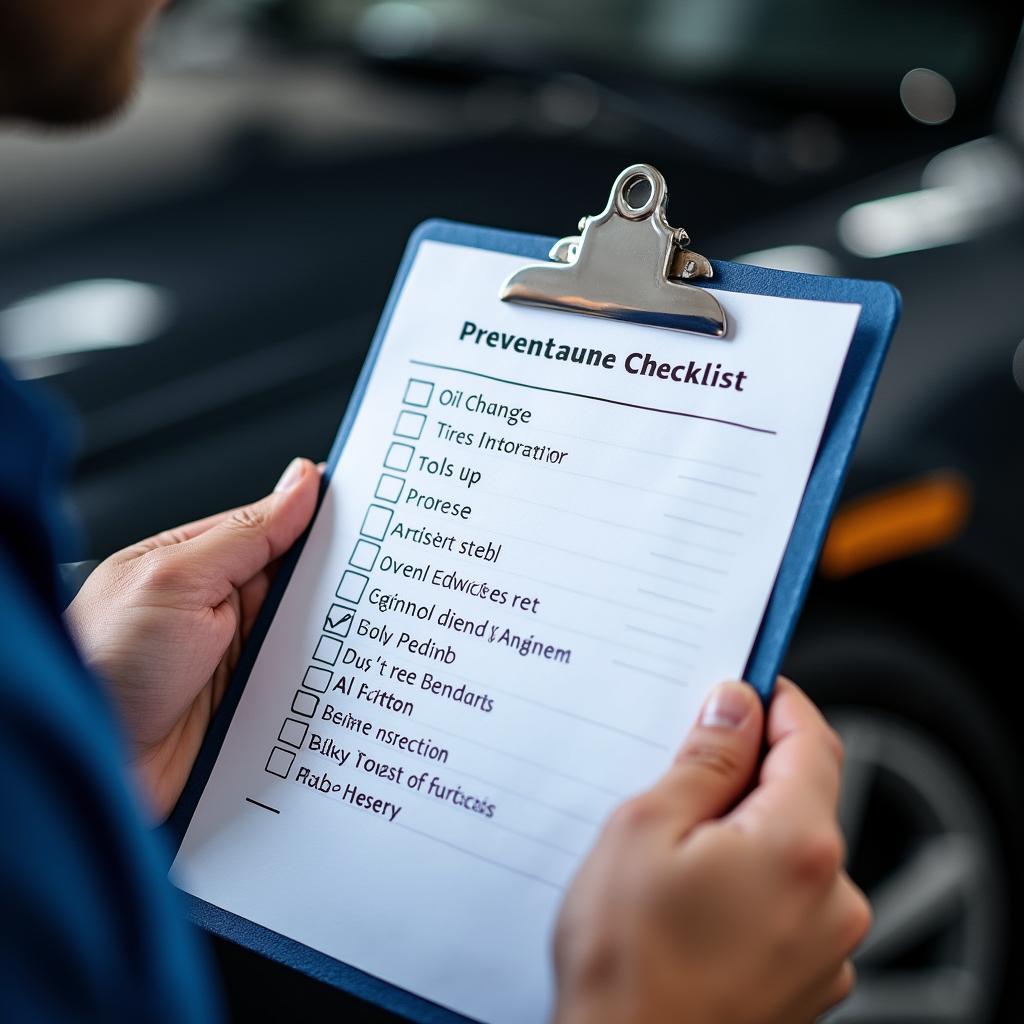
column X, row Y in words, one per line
column 927, row 812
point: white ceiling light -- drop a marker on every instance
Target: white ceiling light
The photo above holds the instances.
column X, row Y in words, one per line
column 965, row 190
column 46, row 332
column 927, row 96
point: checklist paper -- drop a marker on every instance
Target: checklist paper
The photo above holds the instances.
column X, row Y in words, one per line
column 546, row 537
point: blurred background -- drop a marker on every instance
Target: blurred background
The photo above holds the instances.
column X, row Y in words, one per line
column 199, row 283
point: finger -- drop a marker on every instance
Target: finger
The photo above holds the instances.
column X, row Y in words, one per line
column 801, row 773
column 207, row 567
column 175, row 535
column 844, row 922
column 791, row 710
column 716, row 762
column 187, row 531
column 837, row 989
column 800, row 741
column 849, row 915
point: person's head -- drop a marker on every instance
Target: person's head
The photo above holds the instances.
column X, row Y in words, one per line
column 69, row 61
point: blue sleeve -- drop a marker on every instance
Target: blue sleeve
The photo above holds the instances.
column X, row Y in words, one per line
column 90, row 929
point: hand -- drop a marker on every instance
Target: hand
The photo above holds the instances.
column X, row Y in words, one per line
column 163, row 623
column 705, row 905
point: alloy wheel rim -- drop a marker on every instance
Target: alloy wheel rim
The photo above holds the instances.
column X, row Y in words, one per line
column 934, row 951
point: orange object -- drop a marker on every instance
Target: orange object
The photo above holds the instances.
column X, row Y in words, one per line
column 899, row 521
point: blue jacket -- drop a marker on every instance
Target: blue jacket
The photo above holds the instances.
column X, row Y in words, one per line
column 90, row 929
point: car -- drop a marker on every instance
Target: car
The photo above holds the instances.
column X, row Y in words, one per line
column 202, row 290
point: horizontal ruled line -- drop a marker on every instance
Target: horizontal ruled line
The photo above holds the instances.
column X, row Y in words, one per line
column 650, row 451
column 481, row 857
column 674, row 680
column 618, row 526
column 445, row 767
column 715, row 483
column 590, row 557
column 444, row 842
column 706, row 526
column 661, row 494
column 593, row 398
column 691, row 565
column 602, row 600
column 265, row 807
column 431, row 727
column 674, row 600
column 664, row 636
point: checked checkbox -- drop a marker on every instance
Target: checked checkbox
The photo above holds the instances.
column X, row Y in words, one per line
column 410, row 424
column 389, row 488
column 280, row 762
column 399, row 456
column 327, row 650
column 339, row 620
column 418, row 392
column 376, row 522
column 352, row 586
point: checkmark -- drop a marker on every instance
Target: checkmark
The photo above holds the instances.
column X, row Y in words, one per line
column 339, row 620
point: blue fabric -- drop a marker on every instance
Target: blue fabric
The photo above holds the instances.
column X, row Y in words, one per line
column 90, row 929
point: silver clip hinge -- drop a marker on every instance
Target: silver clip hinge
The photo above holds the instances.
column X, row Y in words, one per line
column 627, row 263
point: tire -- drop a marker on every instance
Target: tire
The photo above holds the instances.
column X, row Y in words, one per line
column 929, row 807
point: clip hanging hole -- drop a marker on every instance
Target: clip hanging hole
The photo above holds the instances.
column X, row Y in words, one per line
column 636, row 196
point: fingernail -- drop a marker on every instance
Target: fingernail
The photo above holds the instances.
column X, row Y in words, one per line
column 290, row 477
column 727, row 707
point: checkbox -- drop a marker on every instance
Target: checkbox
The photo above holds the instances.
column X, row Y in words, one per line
column 327, row 650
column 280, row 762
column 389, row 488
column 376, row 522
column 418, row 392
column 399, row 456
column 339, row 620
column 352, row 586
column 364, row 555
column 410, row 424
column 293, row 732
column 317, row 678
column 305, row 704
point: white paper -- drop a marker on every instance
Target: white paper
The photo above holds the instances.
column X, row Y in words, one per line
column 634, row 570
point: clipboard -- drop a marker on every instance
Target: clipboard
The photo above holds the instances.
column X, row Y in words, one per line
column 627, row 264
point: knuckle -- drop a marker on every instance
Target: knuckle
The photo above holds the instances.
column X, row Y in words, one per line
column 818, row 856
column 585, row 956
column 858, row 918
column 844, row 984
column 160, row 572
column 715, row 759
column 249, row 518
column 835, row 743
column 634, row 814
column 168, row 538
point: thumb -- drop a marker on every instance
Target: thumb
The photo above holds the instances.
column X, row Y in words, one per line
column 245, row 541
column 717, row 760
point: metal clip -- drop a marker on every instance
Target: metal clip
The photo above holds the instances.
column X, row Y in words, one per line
column 627, row 263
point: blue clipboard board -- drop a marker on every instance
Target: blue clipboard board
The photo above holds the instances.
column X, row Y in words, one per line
column 880, row 308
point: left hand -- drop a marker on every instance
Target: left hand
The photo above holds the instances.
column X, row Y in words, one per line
column 163, row 622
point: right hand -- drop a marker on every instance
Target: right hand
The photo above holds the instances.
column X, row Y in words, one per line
column 711, row 902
